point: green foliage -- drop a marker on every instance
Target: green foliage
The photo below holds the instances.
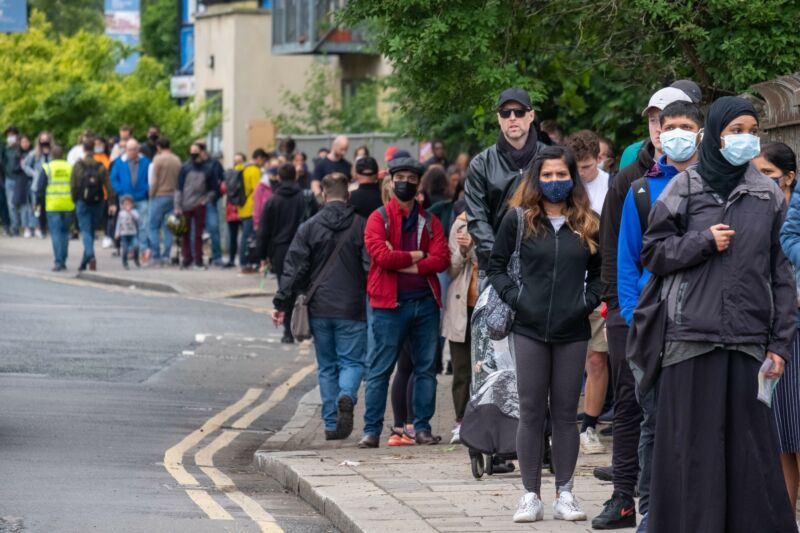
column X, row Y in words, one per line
column 159, row 31
column 65, row 84
column 589, row 64
column 319, row 109
column 68, row 17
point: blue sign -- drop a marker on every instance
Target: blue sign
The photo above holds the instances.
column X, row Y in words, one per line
column 187, row 50
column 123, row 22
column 13, row 16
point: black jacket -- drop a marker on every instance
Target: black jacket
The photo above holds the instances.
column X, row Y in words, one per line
column 611, row 218
column 744, row 295
column 283, row 213
column 492, row 179
column 366, row 199
column 342, row 295
column 560, row 282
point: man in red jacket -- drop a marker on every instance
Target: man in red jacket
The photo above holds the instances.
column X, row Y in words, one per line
column 408, row 248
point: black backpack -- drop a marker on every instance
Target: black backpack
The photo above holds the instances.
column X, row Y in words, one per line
column 641, row 198
column 234, row 184
column 90, row 188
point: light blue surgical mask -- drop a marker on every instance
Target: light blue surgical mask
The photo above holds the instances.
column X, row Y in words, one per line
column 679, row 145
column 740, row 148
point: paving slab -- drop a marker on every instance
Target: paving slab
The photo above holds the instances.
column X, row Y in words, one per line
column 411, row 488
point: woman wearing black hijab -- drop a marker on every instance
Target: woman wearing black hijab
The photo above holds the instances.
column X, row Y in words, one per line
column 713, row 237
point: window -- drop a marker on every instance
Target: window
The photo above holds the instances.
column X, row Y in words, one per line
column 214, row 137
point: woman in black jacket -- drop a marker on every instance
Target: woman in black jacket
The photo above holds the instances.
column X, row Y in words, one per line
column 713, row 236
column 560, row 270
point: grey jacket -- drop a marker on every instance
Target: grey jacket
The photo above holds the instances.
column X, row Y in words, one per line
column 742, row 296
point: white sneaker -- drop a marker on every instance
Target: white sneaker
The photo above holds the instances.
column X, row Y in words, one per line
column 27, row 233
column 456, row 438
column 38, row 233
column 566, row 508
column 107, row 242
column 530, row 509
column 590, row 442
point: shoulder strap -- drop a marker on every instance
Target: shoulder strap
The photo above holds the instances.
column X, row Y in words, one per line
column 520, row 229
column 385, row 217
column 641, row 198
column 331, row 259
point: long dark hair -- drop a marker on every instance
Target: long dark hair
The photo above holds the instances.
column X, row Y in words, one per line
column 780, row 155
column 578, row 213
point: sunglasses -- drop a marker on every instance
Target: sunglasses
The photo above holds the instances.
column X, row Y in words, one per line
column 505, row 113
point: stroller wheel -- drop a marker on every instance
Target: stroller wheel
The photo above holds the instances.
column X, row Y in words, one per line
column 477, row 465
column 488, row 464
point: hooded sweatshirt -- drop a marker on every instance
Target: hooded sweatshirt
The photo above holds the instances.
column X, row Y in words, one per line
column 631, row 276
column 342, row 293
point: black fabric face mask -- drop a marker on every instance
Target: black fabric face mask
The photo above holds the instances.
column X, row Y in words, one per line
column 405, row 191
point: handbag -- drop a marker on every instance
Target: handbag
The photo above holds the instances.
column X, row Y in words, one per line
column 645, row 344
column 501, row 316
column 300, row 323
column 644, row 347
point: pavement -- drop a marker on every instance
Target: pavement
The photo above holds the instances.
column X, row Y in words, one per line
column 414, row 488
column 34, row 256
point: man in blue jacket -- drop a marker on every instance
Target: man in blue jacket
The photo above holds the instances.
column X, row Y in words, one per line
column 129, row 177
column 681, row 123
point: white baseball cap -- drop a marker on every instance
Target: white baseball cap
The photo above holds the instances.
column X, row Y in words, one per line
column 663, row 97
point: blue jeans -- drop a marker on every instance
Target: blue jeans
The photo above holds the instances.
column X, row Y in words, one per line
column 160, row 208
column 419, row 320
column 129, row 243
column 247, row 230
column 143, row 207
column 13, row 211
column 212, row 227
column 89, row 217
column 58, row 222
column 647, row 439
column 339, row 345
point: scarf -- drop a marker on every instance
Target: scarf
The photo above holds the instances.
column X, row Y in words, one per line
column 521, row 158
column 715, row 170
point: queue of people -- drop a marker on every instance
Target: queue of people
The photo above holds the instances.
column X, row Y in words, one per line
column 388, row 261
column 700, row 214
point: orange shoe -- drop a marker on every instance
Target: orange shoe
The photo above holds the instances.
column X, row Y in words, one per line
column 400, row 439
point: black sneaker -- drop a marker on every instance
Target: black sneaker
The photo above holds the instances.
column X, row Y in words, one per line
column 344, row 417
column 604, row 473
column 619, row 512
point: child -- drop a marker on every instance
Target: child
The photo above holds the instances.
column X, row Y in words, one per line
column 127, row 230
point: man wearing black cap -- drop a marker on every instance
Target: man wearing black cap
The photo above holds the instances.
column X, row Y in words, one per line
column 494, row 174
column 408, row 249
column 367, row 198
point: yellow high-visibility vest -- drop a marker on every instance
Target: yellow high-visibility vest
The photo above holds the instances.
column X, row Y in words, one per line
column 58, row 195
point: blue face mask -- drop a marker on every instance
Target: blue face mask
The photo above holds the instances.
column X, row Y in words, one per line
column 556, row 191
column 679, row 145
column 740, row 148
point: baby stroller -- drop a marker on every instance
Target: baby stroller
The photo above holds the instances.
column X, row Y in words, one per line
column 489, row 428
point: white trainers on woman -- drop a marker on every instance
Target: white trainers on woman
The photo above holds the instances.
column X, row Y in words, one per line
column 566, row 508
column 530, row 508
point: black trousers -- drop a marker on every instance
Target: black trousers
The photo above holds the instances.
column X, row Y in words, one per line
column 716, row 465
column 627, row 412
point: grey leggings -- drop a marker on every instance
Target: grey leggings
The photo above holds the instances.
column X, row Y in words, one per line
column 554, row 370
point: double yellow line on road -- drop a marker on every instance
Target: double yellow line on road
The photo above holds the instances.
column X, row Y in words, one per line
column 204, row 458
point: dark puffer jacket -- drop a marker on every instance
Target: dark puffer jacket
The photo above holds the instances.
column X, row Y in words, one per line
column 744, row 295
column 342, row 294
column 491, row 180
column 560, row 282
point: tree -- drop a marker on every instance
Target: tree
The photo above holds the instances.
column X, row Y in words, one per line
column 318, row 108
column 68, row 17
column 159, row 31
column 590, row 64
column 65, row 84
